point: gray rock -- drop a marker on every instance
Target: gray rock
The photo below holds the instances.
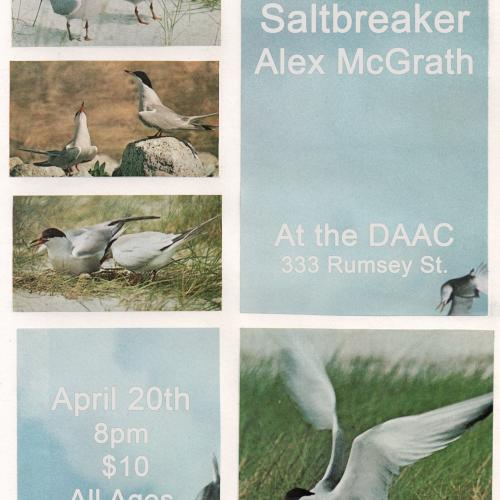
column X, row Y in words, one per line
column 20, row 169
column 210, row 162
column 165, row 156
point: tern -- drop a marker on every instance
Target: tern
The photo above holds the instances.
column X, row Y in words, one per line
column 462, row 291
column 378, row 454
column 153, row 113
column 78, row 150
column 212, row 490
column 75, row 9
column 82, row 250
column 150, row 250
column 136, row 11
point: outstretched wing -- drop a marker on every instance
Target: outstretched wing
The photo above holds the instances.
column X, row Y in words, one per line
column 481, row 278
column 378, row 454
column 305, row 376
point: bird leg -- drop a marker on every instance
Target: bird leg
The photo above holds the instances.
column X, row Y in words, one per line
column 153, row 274
column 155, row 17
column 157, row 135
column 138, row 16
column 71, row 37
column 87, row 38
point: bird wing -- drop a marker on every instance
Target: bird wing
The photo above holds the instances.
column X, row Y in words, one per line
column 378, row 454
column 460, row 306
column 306, row 378
column 481, row 278
column 65, row 7
column 89, row 241
column 162, row 117
column 138, row 249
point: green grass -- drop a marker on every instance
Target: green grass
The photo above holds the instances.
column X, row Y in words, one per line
column 192, row 282
column 279, row 451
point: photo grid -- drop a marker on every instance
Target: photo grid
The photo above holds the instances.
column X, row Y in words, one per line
column 250, row 250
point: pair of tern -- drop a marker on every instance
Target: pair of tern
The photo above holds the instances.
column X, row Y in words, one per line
column 460, row 293
column 212, row 490
column 378, row 454
column 83, row 250
column 152, row 113
column 88, row 9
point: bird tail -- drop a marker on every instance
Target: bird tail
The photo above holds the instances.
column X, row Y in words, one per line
column 119, row 223
column 191, row 233
column 207, row 127
column 131, row 219
column 200, row 117
column 37, row 151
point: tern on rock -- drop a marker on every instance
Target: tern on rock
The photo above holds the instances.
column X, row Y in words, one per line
column 150, row 250
column 136, row 11
column 378, row 454
column 462, row 291
column 212, row 490
column 78, row 150
column 76, row 9
column 153, row 113
column 82, row 250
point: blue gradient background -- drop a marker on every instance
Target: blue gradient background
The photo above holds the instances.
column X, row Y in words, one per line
column 56, row 451
column 350, row 150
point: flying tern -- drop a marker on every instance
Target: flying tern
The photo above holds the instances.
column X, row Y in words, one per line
column 78, row 150
column 150, row 250
column 136, row 11
column 212, row 490
column 75, row 9
column 153, row 113
column 82, row 250
column 378, row 454
column 461, row 292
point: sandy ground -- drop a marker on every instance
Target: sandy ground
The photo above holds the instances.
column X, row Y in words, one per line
column 34, row 302
column 114, row 24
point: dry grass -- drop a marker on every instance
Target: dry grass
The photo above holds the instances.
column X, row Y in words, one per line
column 46, row 95
column 192, row 282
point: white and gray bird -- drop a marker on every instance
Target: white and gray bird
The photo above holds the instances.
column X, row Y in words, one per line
column 150, row 250
column 461, row 292
column 75, row 9
column 378, row 454
column 82, row 250
column 154, row 114
column 136, row 10
column 78, row 150
column 212, row 490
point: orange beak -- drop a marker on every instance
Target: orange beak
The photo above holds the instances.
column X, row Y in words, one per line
column 82, row 108
column 37, row 242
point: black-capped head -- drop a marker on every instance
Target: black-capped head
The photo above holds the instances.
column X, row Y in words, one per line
column 298, row 493
column 143, row 77
column 47, row 234
column 81, row 110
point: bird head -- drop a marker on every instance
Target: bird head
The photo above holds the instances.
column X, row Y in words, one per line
column 140, row 78
column 298, row 493
column 81, row 110
column 46, row 236
column 446, row 296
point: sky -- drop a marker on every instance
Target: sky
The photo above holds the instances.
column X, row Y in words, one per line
column 355, row 150
column 57, row 452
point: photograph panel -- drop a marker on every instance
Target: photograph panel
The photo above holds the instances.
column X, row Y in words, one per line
column 123, row 118
column 117, row 253
column 366, row 414
column 115, row 414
